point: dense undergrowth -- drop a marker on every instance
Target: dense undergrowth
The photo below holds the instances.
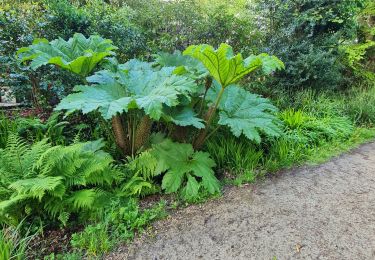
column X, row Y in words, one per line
column 127, row 115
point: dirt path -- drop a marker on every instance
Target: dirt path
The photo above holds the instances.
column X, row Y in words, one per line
column 322, row 212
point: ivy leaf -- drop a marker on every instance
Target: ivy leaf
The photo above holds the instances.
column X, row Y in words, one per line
column 246, row 113
column 79, row 55
column 183, row 164
column 227, row 68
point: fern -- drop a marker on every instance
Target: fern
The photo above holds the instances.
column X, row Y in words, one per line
column 143, row 168
column 54, row 179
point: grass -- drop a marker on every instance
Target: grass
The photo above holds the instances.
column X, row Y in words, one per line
column 14, row 244
column 317, row 127
column 326, row 152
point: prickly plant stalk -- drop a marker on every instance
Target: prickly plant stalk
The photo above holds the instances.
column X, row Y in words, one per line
column 142, row 133
column 120, row 135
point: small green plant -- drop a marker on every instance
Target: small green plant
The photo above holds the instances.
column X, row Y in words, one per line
column 65, row 256
column 293, row 119
column 359, row 105
column 245, row 177
column 94, row 240
column 121, row 220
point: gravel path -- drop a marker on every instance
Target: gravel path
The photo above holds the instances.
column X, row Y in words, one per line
column 322, row 212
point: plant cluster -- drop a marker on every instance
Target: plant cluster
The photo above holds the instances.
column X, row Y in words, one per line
column 132, row 105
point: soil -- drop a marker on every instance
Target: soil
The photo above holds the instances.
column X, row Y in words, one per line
column 52, row 241
column 319, row 212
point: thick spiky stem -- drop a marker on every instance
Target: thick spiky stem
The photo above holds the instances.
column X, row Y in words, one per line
column 142, row 134
column 121, row 138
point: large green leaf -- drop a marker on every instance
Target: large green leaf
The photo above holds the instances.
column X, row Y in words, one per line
column 184, row 65
column 79, row 55
column 227, row 68
column 139, row 87
column 184, row 165
column 246, row 113
column 109, row 99
column 183, row 116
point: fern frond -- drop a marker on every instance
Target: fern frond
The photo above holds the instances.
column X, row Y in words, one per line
column 12, row 155
column 83, row 199
column 36, row 187
column 146, row 165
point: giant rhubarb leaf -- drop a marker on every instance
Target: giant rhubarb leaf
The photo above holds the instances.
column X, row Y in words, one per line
column 138, row 87
column 79, row 55
column 183, row 64
column 246, row 113
column 183, row 167
column 183, row 116
column 227, row 68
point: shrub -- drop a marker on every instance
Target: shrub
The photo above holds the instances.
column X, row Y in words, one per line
column 307, row 36
column 166, row 93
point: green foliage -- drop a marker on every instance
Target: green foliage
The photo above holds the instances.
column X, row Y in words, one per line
column 53, row 180
column 65, row 19
column 186, row 170
column 119, row 24
column 303, row 135
column 246, row 113
column 65, row 256
column 307, row 36
column 94, row 240
column 143, row 88
column 324, row 44
column 293, row 119
column 359, row 105
column 234, row 154
column 79, row 55
column 120, row 222
column 227, row 68
column 143, row 169
column 12, row 244
column 355, row 58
